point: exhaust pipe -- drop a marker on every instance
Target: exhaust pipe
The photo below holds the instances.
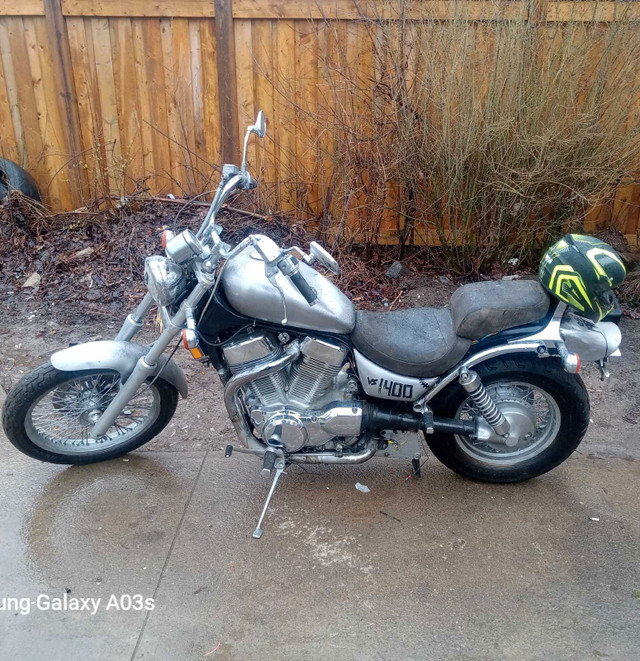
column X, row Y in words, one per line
column 333, row 458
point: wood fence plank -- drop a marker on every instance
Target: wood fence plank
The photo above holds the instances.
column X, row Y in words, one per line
column 105, row 87
column 58, row 162
column 7, row 136
column 24, row 8
column 128, row 101
column 244, row 84
column 13, row 143
column 211, row 105
column 144, row 101
column 377, row 9
column 155, row 75
column 31, row 147
column 263, row 40
column 306, row 120
column 183, row 83
column 61, row 75
column 227, row 93
column 139, row 8
column 285, row 115
column 592, row 12
column 80, row 60
column 177, row 63
column 202, row 169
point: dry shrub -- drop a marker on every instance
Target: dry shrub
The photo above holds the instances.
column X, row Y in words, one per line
column 488, row 137
column 629, row 291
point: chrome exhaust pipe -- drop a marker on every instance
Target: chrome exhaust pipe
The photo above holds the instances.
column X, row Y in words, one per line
column 231, row 389
column 334, row 458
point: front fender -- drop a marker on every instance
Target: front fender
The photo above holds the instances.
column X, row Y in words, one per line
column 119, row 356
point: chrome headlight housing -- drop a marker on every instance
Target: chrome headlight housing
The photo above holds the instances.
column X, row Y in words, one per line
column 165, row 280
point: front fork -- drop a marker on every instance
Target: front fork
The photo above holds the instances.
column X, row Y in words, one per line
column 147, row 364
column 133, row 323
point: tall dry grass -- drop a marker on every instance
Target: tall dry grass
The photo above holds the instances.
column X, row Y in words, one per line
column 492, row 137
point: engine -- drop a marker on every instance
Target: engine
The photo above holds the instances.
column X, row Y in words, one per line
column 307, row 404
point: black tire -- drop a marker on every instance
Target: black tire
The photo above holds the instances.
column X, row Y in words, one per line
column 13, row 177
column 567, row 390
column 41, row 380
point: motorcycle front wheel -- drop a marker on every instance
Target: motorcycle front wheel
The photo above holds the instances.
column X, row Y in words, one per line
column 49, row 415
column 549, row 404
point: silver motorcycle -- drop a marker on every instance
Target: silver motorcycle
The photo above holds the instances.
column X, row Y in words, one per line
column 491, row 381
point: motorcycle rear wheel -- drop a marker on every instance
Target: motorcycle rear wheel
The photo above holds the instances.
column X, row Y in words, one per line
column 556, row 400
column 49, row 413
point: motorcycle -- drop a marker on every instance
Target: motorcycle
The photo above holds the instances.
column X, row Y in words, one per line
column 490, row 382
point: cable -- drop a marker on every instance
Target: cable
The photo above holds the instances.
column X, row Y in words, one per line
column 186, row 204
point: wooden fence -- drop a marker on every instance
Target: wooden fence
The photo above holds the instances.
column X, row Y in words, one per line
column 97, row 95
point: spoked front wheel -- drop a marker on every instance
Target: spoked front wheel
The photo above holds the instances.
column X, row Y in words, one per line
column 49, row 415
column 547, row 408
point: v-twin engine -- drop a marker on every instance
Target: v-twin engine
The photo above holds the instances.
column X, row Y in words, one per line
column 307, row 404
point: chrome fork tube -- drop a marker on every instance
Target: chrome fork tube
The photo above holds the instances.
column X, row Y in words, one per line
column 133, row 323
column 146, row 365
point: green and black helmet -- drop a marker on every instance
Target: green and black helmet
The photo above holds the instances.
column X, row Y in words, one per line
column 582, row 271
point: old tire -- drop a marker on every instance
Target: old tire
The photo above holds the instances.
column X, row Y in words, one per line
column 13, row 177
column 544, row 375
column 19, row 408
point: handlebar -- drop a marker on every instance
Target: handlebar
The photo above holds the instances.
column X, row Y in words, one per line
column 289, row 266
column 308, row 292
column 231, row 181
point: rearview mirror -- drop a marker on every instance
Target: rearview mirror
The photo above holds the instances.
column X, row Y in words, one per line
column 260, row 127
column 320, row 255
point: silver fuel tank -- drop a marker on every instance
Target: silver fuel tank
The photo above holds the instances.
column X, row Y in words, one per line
column 249, row 291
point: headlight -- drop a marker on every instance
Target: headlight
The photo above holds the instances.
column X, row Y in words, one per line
column 165, row 279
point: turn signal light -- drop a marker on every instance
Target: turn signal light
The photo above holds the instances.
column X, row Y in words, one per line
column 571, row 363
column 190, row 343
column 167, row 235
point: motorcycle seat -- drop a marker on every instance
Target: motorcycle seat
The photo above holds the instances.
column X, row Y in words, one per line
column 414, row 342
column 426, row 342
column 484, row 308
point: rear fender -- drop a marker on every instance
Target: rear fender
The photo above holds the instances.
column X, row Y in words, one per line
column 591, row 343
column 119, row 356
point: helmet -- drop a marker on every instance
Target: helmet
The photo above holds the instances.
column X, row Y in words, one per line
column 581, row 271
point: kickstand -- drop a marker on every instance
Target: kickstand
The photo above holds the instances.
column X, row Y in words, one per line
column 279, row 470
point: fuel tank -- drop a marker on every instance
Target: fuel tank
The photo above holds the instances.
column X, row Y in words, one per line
column 249, row 292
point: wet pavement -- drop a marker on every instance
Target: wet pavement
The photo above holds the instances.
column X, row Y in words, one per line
column 437, row 568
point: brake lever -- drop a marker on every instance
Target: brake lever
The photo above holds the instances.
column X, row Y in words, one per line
column 271, row 276
column 271, row 271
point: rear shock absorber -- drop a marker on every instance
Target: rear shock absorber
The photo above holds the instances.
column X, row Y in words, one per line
column 471, row 382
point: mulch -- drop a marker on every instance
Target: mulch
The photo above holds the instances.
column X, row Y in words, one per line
column 90, row 262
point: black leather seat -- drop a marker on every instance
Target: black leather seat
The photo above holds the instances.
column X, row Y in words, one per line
column 415, row 342
column 429, row 341
column 483, row 308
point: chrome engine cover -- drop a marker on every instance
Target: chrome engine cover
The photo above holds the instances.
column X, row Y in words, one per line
column 308, row 404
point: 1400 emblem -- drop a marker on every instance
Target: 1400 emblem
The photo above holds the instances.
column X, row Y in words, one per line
column 392, row 388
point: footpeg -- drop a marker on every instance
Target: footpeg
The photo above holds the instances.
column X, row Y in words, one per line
column 275, row 449
column 227, row 451
column 268, row 462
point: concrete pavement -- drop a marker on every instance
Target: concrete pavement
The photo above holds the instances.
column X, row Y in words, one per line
column 436, row 568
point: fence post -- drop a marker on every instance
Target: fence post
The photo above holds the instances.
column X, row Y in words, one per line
column 227, row 92
column 67, row 100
